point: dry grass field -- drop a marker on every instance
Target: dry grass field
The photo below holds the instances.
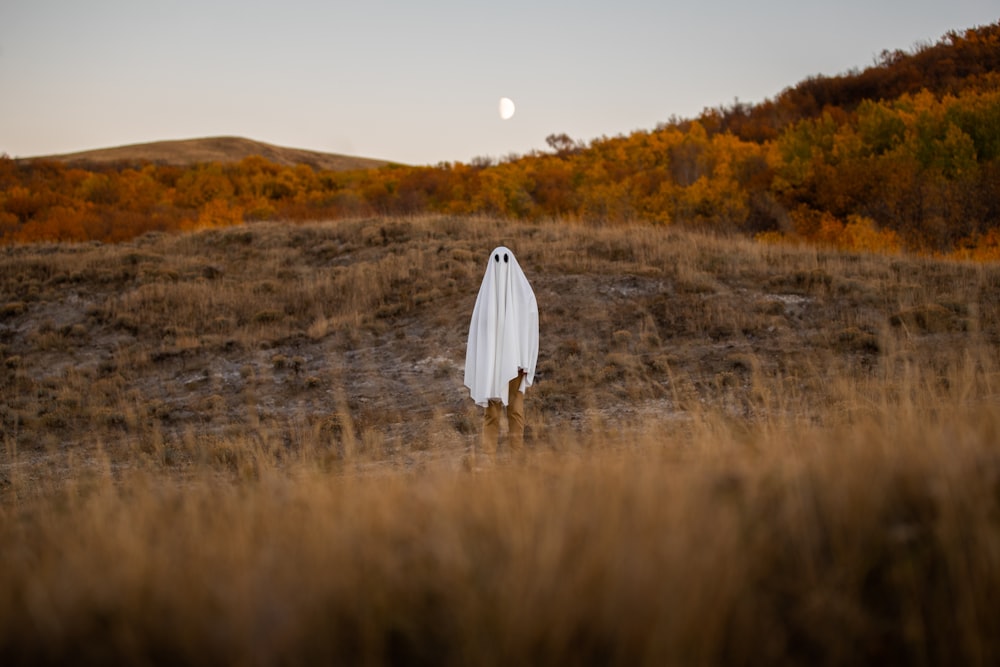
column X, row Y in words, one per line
column 253, row 446
column 186, row 152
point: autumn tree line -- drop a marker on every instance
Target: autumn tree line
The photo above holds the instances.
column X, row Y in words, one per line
column 902, row 155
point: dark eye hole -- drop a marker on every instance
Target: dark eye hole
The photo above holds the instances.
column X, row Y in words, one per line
column 505, row 258
column 496, row 257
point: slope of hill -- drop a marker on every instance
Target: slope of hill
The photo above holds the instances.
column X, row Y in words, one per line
column 959, row 61
column 187, row 152
column 737, row 450
column 386, row 302
column 836, row 162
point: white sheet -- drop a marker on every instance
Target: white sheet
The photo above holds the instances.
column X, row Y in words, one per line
column 503, row 334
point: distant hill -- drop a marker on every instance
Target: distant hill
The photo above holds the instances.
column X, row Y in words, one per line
column 186, row 152
column 904, row 155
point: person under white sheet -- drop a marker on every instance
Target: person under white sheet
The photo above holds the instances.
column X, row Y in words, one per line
column 503, row 348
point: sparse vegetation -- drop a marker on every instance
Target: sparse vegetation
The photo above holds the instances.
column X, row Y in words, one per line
column 737, row 452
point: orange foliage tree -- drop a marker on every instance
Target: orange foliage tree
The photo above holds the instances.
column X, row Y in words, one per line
column 824, row 162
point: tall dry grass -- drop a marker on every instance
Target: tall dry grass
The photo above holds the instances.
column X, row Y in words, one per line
column 741, row 454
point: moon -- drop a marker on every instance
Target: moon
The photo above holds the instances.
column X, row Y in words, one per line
column 506, row 108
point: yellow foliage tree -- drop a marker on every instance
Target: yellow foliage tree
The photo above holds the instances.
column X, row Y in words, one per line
column 219, row 213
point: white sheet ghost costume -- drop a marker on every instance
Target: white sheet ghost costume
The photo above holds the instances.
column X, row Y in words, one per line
column 503, row 343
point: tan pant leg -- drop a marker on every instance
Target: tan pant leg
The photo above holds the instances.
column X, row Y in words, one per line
column 515, row 415
column 491, row 427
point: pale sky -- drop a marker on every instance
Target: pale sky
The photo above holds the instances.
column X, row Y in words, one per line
column 417, row 81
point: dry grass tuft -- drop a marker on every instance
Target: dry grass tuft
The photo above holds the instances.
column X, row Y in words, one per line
column 928, row 318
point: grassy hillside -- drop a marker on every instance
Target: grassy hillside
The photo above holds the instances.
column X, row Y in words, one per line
column 224, row 150
column 253, row 445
